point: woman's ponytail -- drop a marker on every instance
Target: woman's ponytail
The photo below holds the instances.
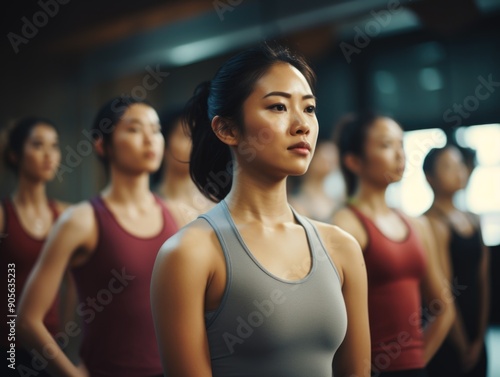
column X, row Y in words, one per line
column 210, row 161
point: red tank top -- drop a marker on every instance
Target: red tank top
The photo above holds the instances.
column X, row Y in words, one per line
column 18, row 247
column 395, row 270
column 114, row 305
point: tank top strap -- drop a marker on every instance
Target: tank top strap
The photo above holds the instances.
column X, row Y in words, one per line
column 365, row 221
column 312, row 235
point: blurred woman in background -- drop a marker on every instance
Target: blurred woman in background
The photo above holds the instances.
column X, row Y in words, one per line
column 32, row 153
column 111, row 243
column 465, row 260
column 176, row 187
column 314, row 198
column 399, row 251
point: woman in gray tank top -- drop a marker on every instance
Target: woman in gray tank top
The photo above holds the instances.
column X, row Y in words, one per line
column 251, row 288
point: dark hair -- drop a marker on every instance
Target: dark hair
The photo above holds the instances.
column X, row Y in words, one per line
column 350, row 136
column 430, row 160
column 210, row 161
column 429, row 165
column 107, row 118
column 17, row 137
column 169, row 120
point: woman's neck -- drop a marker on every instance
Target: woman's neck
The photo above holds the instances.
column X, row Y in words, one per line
column 443, row 202
column 30, row 193
column 371, row 198
column 177, row 186
column 258, row 200
column 126, row 188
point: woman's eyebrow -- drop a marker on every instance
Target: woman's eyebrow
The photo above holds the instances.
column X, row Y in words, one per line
column 287, row 95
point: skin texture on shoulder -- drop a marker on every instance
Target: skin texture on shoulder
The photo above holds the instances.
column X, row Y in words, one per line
column 353, row 356
column 189, row 265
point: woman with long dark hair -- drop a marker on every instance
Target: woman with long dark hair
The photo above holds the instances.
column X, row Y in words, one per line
column 252, row 288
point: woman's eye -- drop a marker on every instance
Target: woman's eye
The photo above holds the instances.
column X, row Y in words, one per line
column 311, row 109
column 278, row 107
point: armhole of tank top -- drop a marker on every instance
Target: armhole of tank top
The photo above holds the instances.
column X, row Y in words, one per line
column 362, row 219
column 322, row 247
column 93, row 203
column 214, row 314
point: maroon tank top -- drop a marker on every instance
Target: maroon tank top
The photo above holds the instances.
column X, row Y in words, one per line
column 114, row 305
column 395, row 270
column 20, row 248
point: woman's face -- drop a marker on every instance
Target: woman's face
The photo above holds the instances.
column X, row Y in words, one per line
column 450, row 173
column 280, row 124
column 383, row 161
column 178, row 149
column 41, row 154
column 137, row 143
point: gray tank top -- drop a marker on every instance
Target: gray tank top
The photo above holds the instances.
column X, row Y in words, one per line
column 267, row 326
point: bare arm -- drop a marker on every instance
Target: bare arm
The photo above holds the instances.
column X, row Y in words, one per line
column 353, row 356
column 441, row 234
column 179, row 282
column 436, row 293
column 484, row 292
column 73, row 232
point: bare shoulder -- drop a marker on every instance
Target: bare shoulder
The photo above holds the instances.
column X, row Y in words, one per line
column 436, row 223
column 77, row 226
column 421, row 224
column 346, row 219
column 196, row 241
column 342, row 247
column 80, row 216
column 62, row 206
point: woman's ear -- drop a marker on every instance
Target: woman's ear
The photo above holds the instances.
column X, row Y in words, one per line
column 353, row 163
column 225, row 130
column 99, row 147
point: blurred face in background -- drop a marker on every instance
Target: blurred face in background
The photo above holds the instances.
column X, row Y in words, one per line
column 137, row 143
column 178, row 149
column 383, row 160
column 41, row 154
column 450, row 173
column 325, row 159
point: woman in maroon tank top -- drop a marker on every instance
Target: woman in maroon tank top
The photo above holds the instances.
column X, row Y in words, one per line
column 399, row 251
column 110, row 242
column 32, row 153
